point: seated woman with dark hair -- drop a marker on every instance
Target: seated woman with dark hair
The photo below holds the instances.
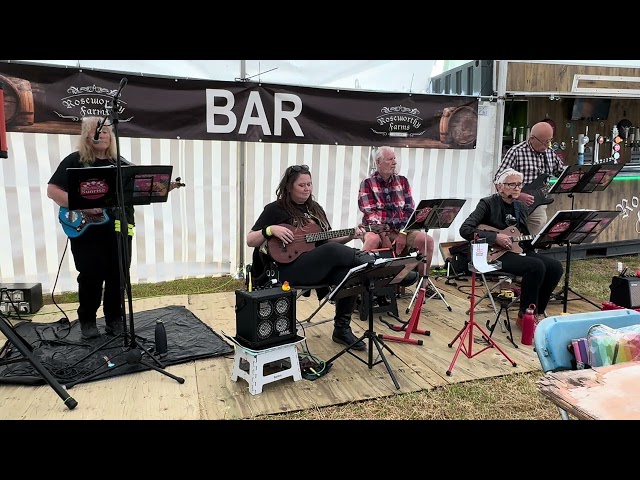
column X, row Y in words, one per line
column 294, row 213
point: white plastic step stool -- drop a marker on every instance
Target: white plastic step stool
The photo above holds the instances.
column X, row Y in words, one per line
column 257, row 360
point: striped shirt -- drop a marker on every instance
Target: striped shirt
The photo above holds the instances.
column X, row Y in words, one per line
column 385, row 202
column 531, row 164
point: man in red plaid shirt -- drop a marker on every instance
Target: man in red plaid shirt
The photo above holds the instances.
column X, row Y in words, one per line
column 385, row 198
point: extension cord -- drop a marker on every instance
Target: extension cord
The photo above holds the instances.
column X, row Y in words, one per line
column 320, row 371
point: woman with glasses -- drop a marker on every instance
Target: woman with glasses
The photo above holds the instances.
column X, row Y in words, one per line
column 326, row 262
column 540, row 273
column 532, row 158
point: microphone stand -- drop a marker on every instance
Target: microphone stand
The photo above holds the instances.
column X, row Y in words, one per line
column 133, row 355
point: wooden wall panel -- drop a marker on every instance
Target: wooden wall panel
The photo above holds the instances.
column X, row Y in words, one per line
column 541, row 77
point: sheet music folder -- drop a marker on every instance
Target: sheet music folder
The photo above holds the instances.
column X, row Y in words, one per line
column 96, row 187
column 434, row 213
column 585, row 178
column 386, row 271
column 574, row 226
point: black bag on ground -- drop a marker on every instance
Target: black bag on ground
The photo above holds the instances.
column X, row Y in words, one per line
column 460, row 258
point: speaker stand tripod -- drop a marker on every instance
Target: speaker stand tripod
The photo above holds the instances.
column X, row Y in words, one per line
column 467, row 332
column 25, row 349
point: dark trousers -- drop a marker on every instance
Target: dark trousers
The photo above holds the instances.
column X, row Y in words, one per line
column 95, row 254
column 540, row 276
column 327, row 264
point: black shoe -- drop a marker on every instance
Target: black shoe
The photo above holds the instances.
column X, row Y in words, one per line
column 89, row 329
column 346, row 337
column 116, row 327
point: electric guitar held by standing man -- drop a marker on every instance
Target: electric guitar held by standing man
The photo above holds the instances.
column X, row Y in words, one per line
column 539, row 188
column 75, row 222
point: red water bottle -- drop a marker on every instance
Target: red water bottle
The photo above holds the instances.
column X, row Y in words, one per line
column 528, row 325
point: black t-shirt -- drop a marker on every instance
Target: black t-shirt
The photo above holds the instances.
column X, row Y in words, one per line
column 72, row 160
column 274, row 214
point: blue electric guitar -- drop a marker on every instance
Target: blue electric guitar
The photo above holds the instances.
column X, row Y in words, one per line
column 75, row 222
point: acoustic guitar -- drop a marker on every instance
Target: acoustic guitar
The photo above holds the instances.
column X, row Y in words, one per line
column 514, row 235
column 539, row 188
column 75, row 222
column 305, row 239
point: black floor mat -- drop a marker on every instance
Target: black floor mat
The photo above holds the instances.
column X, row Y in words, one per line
column 70, row 359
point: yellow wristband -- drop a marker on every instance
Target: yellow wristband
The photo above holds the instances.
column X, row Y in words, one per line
column 268, row 230
column 402, row 232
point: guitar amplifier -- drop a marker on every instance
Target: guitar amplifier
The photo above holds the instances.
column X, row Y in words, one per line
column 24, row 297
column 625, row 291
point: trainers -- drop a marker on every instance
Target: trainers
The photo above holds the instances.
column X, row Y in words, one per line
column 346, row 337
column 89, row 329
column 116, row 327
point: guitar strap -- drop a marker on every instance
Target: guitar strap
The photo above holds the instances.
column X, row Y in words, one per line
column 516, row 206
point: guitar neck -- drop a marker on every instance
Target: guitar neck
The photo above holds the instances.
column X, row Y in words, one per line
column 522, row 238
column 319, row 236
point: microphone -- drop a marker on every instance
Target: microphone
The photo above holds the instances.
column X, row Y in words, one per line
column 96, row 136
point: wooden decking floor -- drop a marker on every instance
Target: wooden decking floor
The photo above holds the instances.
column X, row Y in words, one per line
column 208, row 392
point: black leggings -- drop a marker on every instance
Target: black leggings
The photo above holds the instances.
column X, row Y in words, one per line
column 95, row 254
column 328, row 264
column 540, row 276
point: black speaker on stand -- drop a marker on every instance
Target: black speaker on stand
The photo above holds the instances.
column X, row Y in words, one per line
column 265, row 318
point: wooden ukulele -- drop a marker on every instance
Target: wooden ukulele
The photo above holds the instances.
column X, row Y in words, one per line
column 305, row 239
column 514, row 235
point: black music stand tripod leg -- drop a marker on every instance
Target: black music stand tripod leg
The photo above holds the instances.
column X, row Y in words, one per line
column 371, row 335
column 18, row 342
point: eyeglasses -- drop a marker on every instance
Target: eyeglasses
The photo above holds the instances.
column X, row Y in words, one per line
column 297, row 168
column 547, row 143
column 513, row 184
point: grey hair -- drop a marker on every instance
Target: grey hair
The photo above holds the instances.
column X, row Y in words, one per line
column 507, row 173
column 377, row 156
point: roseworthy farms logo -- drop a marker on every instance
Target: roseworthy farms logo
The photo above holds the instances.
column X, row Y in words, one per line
column 399, row 122
column 90, row 101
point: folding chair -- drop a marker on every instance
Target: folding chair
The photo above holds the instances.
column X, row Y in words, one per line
column 497, row 280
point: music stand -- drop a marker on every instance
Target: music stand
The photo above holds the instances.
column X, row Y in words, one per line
column 96, row 187
column 139, row 187
column 585, row 179
column 27, row 352
column 469, row 325
column 367, row 278
column 573, row 227
column 429, row 214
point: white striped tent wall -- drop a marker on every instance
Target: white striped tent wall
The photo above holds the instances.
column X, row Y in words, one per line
column 193, row 234
column 197, row 232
